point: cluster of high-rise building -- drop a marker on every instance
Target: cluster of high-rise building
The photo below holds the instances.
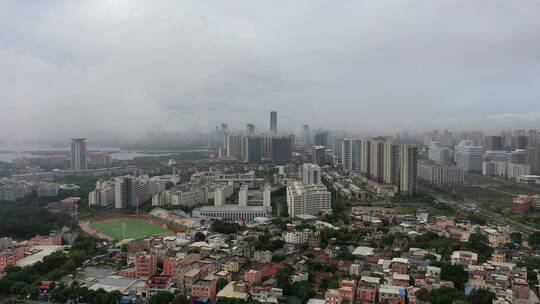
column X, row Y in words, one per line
column 381, row 159
column 127, row 191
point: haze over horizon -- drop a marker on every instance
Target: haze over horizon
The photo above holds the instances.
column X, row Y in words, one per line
column 124, row 70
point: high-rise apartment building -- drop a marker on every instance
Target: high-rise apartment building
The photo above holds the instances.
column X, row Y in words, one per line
column 440, row 174
column 318, row 154
column 468, row 156
column 440, row 154
column 365, row 166
column 267, row 146
column 234, row 145
column 356, row 157
column 391, row 163
column 311, row 174
column 78, row 154
column 131, row 191
column 376, row 171
column 273, row 122
column 346, row 154
column 519, row 142
column 408, row 169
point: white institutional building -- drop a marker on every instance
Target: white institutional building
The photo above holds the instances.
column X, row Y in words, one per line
column 309, row 196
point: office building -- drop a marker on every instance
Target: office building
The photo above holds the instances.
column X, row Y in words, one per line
column 253, row 149
column 311, row 174
column 273, row 122
column 282, row 149
column 391, row 163
column 346, row 154
column 441, row 174
column 318, row 155
column 78, row 154
column 365, row 166
column 469, row 157
column 494, row 143
column 313, row 199
column 408, row 169
column 376, row 170
column 518, row 157
column 321, row 138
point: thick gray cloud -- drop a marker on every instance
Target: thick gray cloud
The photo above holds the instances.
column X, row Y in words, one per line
column 121, row 69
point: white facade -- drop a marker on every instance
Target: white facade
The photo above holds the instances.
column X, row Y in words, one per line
column 469, row 157
column 311, row 174
column 308, row 199
column 47, row 189
column 248, row 197
column 440, row 174
column 103, row 195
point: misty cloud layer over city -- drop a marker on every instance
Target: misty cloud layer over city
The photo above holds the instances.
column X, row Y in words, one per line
column 126, row 69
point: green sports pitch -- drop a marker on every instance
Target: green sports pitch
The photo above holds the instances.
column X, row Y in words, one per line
column 135, row 228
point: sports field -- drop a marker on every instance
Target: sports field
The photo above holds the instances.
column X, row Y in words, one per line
column 135, row 228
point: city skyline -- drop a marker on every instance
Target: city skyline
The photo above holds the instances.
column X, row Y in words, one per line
column 341, row 67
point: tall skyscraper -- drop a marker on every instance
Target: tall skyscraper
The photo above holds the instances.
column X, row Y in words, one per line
column 408, row 169
column 377, row 159
column 318, row 154
column 391, row 161
column 306, row 138
column 78, row 154
column 273, row 122
column 346, row 154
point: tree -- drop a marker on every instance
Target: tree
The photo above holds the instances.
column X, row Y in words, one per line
column 221, row 283
column 516, row 238
column 180, row 299
column 423, row 295
column 446, row 295
column 162, row 297
column 283, row 278
column 200, row 237
column 534, row 239
column 454, row 273
column 481, row 296
column 302, row 290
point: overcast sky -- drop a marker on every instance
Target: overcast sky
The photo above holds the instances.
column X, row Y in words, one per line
column 120, row 69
